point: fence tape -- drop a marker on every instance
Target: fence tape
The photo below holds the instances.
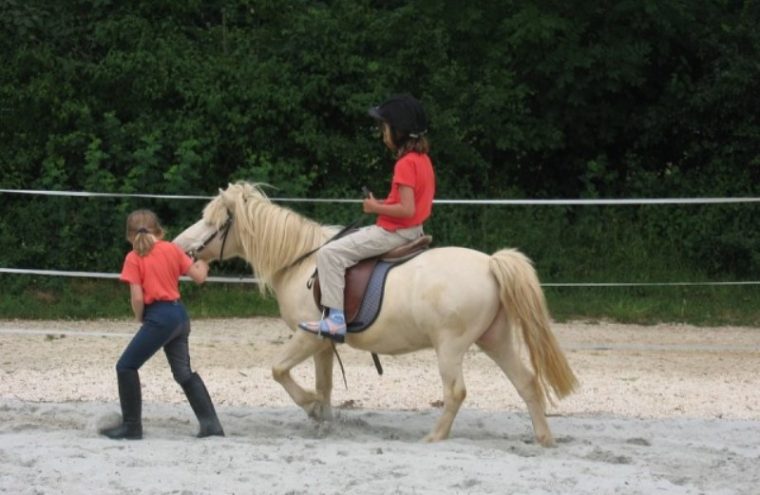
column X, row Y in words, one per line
column 60, row 273
column 549, row 202
column 253, row 280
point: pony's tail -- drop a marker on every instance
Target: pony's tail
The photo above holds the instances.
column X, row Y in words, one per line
column 525, row 305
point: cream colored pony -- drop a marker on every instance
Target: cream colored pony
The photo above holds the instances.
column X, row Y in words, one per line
column 446, row 298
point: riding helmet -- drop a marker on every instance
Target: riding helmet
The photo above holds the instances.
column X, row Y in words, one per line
column 403, row 113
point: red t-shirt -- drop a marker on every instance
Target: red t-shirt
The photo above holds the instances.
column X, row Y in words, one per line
column 414, row 170
column 157, row 272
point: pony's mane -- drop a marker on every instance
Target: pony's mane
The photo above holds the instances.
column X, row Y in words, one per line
column 272, row 237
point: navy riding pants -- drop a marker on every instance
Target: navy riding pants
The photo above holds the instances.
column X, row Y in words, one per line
column 165, row 324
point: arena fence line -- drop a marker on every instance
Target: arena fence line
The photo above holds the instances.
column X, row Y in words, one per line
column 556, row 202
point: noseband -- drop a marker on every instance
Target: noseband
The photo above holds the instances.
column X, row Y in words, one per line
column 224, row 230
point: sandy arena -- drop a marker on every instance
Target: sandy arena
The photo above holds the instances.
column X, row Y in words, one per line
column 662, row 409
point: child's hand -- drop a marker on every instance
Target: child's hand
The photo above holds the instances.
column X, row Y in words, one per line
column 370, row 204
column 198, row 271
column 202, row 266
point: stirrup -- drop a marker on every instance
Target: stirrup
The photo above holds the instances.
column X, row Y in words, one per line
column 325, row 328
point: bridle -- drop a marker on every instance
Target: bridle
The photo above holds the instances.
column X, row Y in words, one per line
column 224, row 230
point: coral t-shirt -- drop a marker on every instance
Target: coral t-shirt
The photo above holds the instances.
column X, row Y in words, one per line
column 414, row 170
column 157, row 272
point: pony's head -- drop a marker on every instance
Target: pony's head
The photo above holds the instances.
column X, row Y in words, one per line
column 215, row 235
column 243, row 222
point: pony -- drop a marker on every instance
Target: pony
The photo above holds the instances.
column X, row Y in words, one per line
column 447, row 298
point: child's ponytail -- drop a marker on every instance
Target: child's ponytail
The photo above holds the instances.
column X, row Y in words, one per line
column 143, row 230
column 144, row 241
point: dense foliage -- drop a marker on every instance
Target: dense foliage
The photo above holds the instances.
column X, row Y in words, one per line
column 536, row 99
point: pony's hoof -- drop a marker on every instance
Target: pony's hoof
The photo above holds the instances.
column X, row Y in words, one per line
column 546, row 441
column 431, row 438
column 319, row 411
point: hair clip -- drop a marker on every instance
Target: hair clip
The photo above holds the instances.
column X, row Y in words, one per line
column 142, row 230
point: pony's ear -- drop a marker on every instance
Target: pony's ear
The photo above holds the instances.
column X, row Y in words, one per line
column 228, row 198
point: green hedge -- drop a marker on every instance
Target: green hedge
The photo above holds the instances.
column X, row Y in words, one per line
column 572, row 99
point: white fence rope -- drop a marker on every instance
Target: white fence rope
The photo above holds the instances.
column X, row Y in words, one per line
column 554, row 202
column 60, row 273
column 253, row 280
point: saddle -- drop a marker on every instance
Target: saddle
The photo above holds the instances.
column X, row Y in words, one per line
column 360, row 276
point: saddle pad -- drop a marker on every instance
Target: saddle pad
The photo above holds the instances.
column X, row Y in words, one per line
column 373, row 297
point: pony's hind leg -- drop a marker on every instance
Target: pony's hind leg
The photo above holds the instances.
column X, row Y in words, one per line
column 298, row 349
column 454, row 392
column 499, row 344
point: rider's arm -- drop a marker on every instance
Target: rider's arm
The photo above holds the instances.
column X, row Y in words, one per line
column 403, row 209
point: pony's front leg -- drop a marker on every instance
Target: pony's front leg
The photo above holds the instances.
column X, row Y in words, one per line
column 454, row 392
column 321, row 410
column 302, row 346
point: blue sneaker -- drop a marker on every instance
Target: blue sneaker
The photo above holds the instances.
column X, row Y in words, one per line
column 333, row 327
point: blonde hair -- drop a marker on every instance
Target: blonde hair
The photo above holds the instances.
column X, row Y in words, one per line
column 143, row 230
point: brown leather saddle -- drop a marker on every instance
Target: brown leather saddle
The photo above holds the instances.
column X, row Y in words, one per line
column 358, row 276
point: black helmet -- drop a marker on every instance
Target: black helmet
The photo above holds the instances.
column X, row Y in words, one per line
column 403, row 113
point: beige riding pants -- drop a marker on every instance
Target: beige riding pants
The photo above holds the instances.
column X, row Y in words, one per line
column 334, row 258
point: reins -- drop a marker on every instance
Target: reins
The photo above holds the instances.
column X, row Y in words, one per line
column 341, row 233
column 338, row 235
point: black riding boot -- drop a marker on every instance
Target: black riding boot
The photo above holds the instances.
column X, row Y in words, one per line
column 131, row 407
column 202, row 406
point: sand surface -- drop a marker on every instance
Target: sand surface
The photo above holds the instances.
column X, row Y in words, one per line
column 662, row 409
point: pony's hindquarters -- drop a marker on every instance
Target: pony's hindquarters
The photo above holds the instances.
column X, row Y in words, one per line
column 525, row 306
